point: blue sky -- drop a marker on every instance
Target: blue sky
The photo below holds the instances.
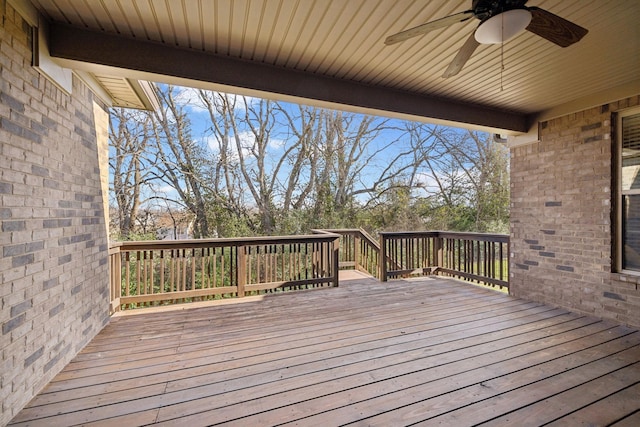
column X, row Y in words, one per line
column 390, row 141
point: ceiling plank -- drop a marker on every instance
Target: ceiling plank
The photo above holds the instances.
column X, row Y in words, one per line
column 83, row 45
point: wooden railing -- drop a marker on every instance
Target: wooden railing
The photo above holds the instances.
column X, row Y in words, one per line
column 151, row 273
column 358, row 250
column 477, row 257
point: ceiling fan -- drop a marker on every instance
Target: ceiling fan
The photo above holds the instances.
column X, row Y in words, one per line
column 499, row 21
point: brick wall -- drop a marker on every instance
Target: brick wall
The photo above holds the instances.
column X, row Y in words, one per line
column 53, row 261
column 561, row 233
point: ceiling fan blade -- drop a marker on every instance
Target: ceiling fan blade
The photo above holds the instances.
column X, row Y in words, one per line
column 554, row 28
column 462, row 57
column 429, row 26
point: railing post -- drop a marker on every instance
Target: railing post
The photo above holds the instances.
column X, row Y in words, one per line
column 335, row 247
column 508, row 278
column 356, row 251
column 438, row 250
column 382, row 263
column 241, row 270
column 115, row 278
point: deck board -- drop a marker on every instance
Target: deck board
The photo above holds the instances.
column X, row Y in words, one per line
column 427, row 351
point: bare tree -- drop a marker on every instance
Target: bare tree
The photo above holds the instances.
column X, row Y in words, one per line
column 265, row 167
column 226, row 151
column 279, row 159
column 129, row 137
column 468, row 175
column 362, row 158
column 264, row 155
column 179, row 158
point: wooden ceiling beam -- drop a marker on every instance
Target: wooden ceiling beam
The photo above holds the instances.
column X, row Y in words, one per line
column 77, row 44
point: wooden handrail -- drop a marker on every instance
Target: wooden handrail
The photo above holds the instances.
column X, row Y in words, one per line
column 482, row 237
column 240, row 241
column 358, row 250
column 172, row 271
column 477, row 257
column 356, row 231
column 146, row 273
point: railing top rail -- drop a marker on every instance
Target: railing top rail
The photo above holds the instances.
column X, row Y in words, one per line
column 493, row 237
column 335, row 230
column 350, row 231
column 232, row 241
column 448, row 234
column 401, row 234
column 373, row 242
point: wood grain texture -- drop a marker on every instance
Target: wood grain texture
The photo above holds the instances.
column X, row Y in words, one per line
column 426, row 351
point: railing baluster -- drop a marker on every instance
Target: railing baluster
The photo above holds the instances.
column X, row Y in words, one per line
column 214, row 268
column 127, row 266
column 256, row 265
column 501, row 266
column 470, row 256
column 151, row 271
column 241, row 266
column 138, row 273
column 183, row 270
column 266, row 269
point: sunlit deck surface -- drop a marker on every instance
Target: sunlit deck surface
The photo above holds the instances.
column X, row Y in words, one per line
column 431, row 351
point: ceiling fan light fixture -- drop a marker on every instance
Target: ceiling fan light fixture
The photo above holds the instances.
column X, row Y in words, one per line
column 501, row 27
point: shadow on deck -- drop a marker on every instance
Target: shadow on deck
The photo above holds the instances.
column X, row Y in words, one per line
column 427, row 350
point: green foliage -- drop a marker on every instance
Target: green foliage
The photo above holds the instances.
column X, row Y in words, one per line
column 446, row 217
column 135, row 237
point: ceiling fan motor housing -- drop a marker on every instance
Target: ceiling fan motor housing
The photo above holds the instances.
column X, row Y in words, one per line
column 485, row 9
column 515, row 17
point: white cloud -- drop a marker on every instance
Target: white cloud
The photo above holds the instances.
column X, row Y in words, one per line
column 166, row 189
column 428, row 183
column 190, row 96
column 246, row 143
column 211, row 142
column 276, row 144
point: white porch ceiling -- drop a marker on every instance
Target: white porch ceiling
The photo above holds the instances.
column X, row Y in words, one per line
column 342, row 41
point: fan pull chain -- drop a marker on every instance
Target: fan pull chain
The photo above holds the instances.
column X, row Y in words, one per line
column 501, row 66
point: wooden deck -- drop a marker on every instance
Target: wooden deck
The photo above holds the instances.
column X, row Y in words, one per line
column 426, row 351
